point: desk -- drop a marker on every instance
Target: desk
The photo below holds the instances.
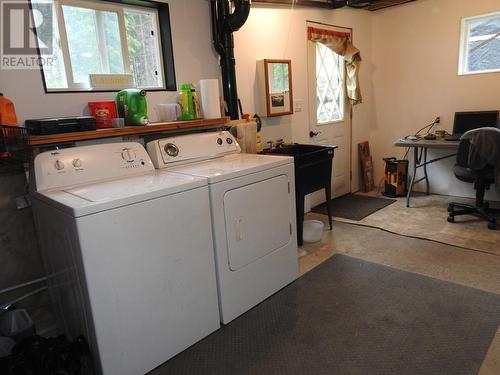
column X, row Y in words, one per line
column 420, row 148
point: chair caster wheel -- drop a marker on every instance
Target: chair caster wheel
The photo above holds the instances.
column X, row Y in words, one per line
column 451, row 219
column 492, row 226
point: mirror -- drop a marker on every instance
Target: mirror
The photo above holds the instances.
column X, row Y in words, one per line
column 278, row 87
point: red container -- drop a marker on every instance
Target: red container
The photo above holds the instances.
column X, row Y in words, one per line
column 7, row 112
column 104, row 112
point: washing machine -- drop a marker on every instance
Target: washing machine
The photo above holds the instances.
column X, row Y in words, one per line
column 252, row 200
column 128, row 252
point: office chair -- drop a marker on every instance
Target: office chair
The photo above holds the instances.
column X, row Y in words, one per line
column 482, row 179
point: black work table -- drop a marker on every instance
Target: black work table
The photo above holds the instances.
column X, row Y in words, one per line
column 420, row 148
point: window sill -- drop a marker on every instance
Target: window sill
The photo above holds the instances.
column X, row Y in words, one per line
column 479, row 72
column 330, row 122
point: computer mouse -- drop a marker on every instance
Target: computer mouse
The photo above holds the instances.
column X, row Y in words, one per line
column 430, row 137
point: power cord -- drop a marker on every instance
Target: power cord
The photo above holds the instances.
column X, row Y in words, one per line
column 417, row 135
column 430, row 126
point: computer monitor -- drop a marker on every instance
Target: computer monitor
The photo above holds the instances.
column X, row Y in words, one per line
column 465, row 121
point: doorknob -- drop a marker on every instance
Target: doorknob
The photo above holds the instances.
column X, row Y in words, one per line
column 313, row 134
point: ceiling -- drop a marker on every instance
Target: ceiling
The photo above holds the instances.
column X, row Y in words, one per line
column 371, row 5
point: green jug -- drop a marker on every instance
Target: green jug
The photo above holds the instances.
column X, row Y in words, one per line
column 132, row 106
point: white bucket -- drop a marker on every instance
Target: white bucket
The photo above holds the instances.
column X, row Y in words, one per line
column 313, row 230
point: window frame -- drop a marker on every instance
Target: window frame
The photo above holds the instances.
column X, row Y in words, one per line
column 464, row 45
column 165, row 49
column 342, row 90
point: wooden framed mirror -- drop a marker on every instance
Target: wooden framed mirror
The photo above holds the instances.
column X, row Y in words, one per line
column 277, row 84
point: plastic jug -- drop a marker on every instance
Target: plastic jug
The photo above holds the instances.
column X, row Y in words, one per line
column 132, row 106
column 196, row 104
column 7, row 112
column 186, row 102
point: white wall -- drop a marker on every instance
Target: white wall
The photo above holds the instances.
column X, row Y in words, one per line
column 193, row 55
column 279, row 32
column 408, row 75
column 415, row 78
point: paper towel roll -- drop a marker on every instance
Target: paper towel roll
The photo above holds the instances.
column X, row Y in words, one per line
column 209, row 93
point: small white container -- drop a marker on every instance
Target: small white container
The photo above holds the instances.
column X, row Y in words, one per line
column 313, row 230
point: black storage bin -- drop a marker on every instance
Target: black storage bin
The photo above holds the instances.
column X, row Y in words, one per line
column 60, row 125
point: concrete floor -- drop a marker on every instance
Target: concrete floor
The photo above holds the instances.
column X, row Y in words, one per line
column 445, row 262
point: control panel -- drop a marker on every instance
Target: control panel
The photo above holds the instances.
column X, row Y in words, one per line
column 192, row 147
column 85, row 164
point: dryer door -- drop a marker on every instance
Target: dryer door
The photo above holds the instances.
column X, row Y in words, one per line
column 257, row 220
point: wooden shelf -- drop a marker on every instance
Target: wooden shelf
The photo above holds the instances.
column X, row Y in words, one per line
column 159, row 127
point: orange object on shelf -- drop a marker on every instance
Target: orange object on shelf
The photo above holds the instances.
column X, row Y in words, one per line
column 7, row 112
column 104, row 113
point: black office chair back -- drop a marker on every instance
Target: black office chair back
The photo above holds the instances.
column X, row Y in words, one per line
column 463, row 153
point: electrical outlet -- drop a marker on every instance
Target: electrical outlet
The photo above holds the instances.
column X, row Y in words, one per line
column 438, row 120
column 297, row 105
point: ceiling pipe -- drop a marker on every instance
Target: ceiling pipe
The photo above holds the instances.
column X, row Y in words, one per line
column 224, row 23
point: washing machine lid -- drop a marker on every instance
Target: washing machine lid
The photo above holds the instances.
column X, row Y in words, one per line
column 232, row 166
column 91, row 198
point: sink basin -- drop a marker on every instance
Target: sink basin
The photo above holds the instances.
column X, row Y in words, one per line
column 298, row 149
column 313, row 171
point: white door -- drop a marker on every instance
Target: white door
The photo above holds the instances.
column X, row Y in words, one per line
column 329, row 112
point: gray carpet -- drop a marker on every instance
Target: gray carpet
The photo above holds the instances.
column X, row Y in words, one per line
column 353, row 206
column 352, row 317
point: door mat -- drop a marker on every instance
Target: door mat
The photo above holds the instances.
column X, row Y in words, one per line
column 353, row 206
column 349, row 316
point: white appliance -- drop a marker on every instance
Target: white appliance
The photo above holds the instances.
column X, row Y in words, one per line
column 252, row 200
column 129, row 254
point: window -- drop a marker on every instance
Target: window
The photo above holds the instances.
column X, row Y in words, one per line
column 329, row 85
column 103, row 45
column 480, row 44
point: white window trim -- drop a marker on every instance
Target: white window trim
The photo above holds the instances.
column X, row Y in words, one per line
column 110, row 7
column 464, row 43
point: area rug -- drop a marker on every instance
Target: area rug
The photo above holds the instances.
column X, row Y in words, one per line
column 426, row 218
column 349, row 316
column 353, row 206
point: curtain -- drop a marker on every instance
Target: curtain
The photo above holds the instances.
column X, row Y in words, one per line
column 340, row 43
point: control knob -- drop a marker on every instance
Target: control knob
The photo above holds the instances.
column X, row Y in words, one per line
column 77, row 163
column 59, row 165
column 229, row 141
column 219, row 141
column 171, row 149
column 128, row 155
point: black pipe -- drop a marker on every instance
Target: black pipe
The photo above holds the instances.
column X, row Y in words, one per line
column 219, row 48
column 228, row 69
column 224, row 23
column 241, row 11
